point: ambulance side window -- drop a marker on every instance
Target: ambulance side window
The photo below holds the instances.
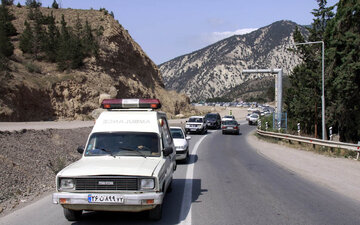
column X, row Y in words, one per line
column 166, row 136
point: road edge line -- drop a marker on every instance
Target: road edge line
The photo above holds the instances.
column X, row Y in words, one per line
column 187, row 195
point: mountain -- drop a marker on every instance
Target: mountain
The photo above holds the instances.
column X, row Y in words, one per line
column 215, row 70
column 34, row 89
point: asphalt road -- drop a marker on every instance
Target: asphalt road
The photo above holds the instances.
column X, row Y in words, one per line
column 225, row 182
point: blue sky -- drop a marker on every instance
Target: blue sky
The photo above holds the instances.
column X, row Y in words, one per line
column 166, row 29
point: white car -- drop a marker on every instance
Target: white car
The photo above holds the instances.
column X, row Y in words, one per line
column 126, row 165
column 181, row 142
column 228, row 117
column 196, row 124
column 253, row 119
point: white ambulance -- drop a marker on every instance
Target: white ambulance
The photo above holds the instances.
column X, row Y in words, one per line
column 126, row 165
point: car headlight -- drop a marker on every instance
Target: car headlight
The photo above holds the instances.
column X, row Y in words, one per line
column 147, row 183
column 67, row 184
column 180, row 147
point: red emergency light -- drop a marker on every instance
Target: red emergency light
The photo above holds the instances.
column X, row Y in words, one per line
column 131, row 104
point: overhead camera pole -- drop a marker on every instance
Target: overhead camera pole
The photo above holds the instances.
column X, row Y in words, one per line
column 278, row 87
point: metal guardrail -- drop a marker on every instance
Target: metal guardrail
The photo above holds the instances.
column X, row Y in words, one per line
column 331, row 144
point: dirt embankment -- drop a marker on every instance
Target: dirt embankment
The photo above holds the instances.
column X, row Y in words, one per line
column 30, row 160
column 35, row 90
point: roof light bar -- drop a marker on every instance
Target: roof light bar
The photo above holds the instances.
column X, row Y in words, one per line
column 131, row 104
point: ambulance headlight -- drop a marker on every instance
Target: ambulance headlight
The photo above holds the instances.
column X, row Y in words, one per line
column 147, row 183
column 67, row 184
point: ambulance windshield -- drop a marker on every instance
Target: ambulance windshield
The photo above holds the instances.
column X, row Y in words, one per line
column 123, row 144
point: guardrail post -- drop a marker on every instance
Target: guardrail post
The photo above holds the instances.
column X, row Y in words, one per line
column 298, row 126
column 259, row 124
column 279, row 126
column 266, row 126
column 330, row 133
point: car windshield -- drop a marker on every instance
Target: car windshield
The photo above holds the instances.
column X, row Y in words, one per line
column 254, row 116
column 230, row 122
column 176, row 133
column 230, row 117
column 211, row 116
column 196, row 120
column 123, row 144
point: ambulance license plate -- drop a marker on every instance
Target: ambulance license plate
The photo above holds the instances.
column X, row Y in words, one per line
column 105, row 198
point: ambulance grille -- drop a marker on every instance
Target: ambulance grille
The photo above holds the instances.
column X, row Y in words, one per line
column 107, row 184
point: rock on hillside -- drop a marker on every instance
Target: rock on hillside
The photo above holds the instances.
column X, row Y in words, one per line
column 214, row 70
column 122, row 70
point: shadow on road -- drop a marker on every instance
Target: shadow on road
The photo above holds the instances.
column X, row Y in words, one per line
column 171, row 209
column 192, row 159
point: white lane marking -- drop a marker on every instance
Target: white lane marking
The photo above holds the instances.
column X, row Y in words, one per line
column 185, row 213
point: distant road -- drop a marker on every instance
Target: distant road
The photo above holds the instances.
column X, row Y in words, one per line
column 42, row 125
column 239, row 113
column 13, row 126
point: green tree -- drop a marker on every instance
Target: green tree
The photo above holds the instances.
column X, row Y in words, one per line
column 5, row 20
column 323, row 15
column 62, row 53
column 55, row 5
column 52, row 39
column 70, row 51
column 6, row 47
column 343, row 54
column 33, row 3
column 303, row 98
column 6, row 31
column 89, row 42
column 7, row 2
column 26, row 39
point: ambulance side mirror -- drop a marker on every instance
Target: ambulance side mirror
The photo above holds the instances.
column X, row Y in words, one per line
column 168, row 150
column 80, row 149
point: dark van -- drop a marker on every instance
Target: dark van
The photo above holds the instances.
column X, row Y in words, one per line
column 213, row 120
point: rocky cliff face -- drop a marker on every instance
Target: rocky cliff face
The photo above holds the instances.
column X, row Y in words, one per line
column 216, row 69
column 122, row 70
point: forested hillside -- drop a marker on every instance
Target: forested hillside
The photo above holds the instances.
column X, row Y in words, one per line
column 340, row 32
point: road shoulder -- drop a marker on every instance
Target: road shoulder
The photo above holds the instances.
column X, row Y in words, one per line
column 337, row 174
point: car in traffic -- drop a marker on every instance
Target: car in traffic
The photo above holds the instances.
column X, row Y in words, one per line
column 181, row 142
column 227, row 117
column 196, row 124
column 248, row 116
column 230, row 126
column 213, row 120
column 253, row 119
column 127, row 164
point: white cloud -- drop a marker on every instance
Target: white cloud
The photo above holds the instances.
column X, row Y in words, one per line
column 217, row 36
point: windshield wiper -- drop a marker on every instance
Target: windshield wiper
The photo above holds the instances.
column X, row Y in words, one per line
column 107, row 151
column 134, row 150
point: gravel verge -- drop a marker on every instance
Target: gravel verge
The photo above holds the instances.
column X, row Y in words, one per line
column 30, row 160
